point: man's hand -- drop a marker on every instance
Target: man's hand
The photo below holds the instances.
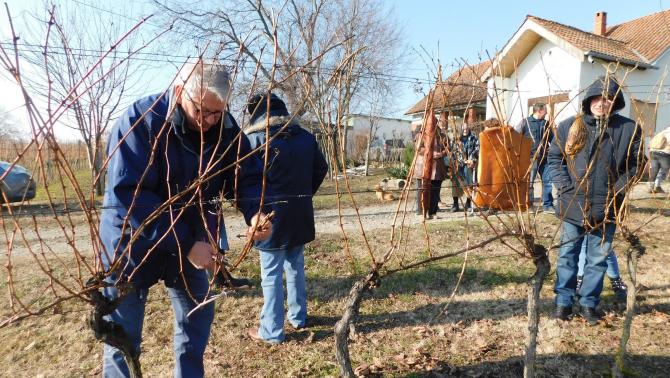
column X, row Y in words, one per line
column 262, row 225
column 202, row 255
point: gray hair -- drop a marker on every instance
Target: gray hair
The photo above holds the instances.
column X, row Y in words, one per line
column 538, row 106
column 208, row 76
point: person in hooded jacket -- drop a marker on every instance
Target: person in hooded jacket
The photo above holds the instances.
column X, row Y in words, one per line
column 295, row 170
column 594, row 158
column 170, row 157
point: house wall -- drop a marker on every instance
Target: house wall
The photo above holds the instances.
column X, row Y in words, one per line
column 387, row 128
column 499, row 98
column 546, row 70
column 650, row 85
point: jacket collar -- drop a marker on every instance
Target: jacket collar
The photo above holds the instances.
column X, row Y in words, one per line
column 260, row 124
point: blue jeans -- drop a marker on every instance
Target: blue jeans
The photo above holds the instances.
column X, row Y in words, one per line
column 467, row 175
column 598, row 244
column 612, row 263
column 547, row 197
column 273, row 264
column 190, row 333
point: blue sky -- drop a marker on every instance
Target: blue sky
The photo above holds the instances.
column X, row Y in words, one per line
column 448, row 30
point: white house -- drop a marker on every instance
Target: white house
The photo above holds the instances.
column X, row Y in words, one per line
column 549, row 62
column 389, row 135
column 384, row 128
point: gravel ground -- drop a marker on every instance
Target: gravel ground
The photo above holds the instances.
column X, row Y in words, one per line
column 373, row 217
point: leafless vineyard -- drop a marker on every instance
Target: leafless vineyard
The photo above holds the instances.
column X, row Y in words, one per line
column 325, row 58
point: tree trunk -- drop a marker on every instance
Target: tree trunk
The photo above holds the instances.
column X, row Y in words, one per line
column 342, row 326
column 619, row 368
column 542, row 267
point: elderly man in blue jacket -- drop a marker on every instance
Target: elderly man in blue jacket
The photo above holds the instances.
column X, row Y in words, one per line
column 295, row 170
column 594, row 159
column 171, row 156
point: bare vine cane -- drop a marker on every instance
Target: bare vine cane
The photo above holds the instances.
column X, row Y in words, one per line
column 542, row 266
column 250, row 240
column 633, row 253
column 108, row 331
column 221, row 263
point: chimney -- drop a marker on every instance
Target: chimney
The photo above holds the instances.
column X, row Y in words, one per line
column 600, row 26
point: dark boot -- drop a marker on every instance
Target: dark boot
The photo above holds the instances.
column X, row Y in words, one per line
column 591, row 315
column 455, row 207
column 563, row 313
column 225, row 280
column 620, row 289
column 468, row 204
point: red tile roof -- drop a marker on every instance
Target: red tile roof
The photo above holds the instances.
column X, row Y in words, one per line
column 641, row 40
column 461, row 88
column 648, row 35
column 589, row 41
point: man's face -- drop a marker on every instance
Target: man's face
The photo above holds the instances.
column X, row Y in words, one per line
column 202, row 111
column 540, row 114
column 600, row 106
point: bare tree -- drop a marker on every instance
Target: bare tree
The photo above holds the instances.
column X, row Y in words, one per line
column 76, row 43
column 9, row 127
column 314, row 36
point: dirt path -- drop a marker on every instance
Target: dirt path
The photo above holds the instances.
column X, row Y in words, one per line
column 373, row 217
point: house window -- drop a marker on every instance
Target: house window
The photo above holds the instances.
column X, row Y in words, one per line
column 556, row 106
column 644, row 113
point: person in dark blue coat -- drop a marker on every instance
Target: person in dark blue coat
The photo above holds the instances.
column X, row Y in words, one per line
column 539, row 131
column 295, row 170
column 171, row 157
column 470, row 156
column 594, row 160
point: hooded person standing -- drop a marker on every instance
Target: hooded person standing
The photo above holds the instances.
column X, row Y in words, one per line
column 295, row 170
column 594, row 159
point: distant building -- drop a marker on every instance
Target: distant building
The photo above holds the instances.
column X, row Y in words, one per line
column 390, row 135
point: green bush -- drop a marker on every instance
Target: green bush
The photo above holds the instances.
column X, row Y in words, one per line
column 402, row 171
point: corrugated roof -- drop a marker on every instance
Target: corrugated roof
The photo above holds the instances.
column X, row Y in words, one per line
column 461, row 88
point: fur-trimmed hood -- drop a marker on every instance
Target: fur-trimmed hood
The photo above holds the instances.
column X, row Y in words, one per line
column 275, row 121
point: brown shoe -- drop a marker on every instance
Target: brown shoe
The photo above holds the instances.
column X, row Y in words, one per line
column 253, row 335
